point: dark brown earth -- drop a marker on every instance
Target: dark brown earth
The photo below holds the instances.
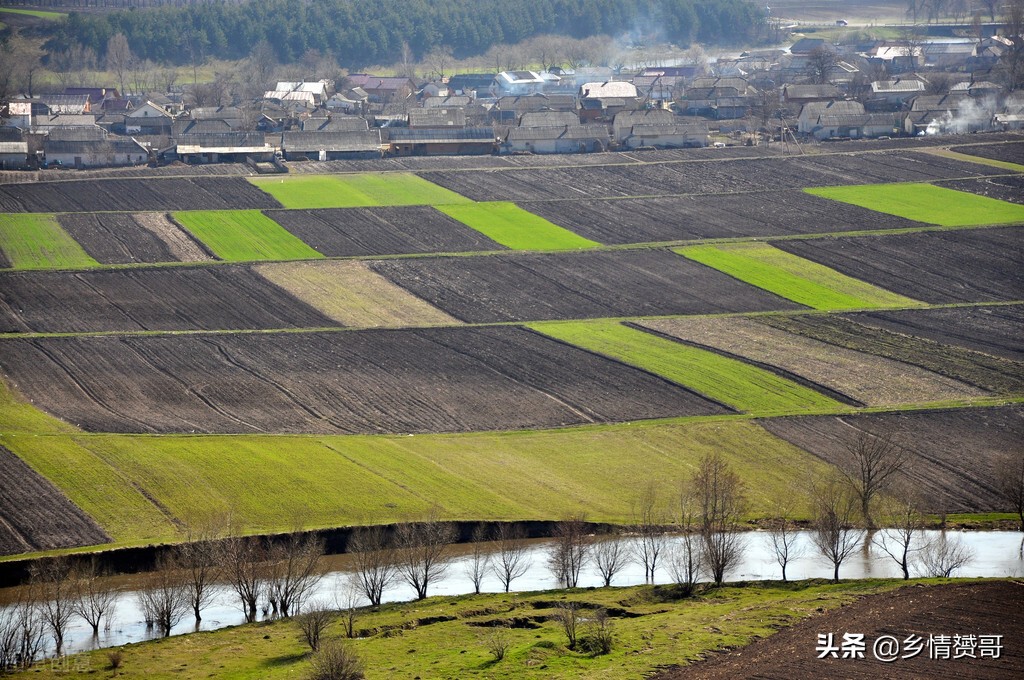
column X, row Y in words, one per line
column 381, row 231
column 134, row 195
column 966, row 265
column 678, row 218
column 155, row 298
column 427, row 380
column 985, row 608
column 1008, row 188
column 953, row 452
column 119, row 238
column 34, row 515
column 1012, row 152
column 531, row 287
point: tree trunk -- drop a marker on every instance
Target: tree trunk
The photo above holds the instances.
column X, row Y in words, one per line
column 835, row 574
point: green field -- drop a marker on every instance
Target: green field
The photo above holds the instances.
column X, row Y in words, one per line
column 51, row 16
column 446, row 637
column 926, row 203
column 515, row 228
column 36, row 241
column 793, row 277
column 729, row 381
column 244, row 235
column 356, row 191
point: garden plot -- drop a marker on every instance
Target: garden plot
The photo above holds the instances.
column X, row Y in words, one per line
column 426, row 380
column 953, row 452
column 533, row 287
column 515, row 228
column 134, row 195
column 868, row 379
column 684, row 218
column 352, row 294
column 1009, row 188
column 967, row 265
column 173, row 298
column 123, row 238
column 38, row 242
column 927, row 203
column 347, row 232
column 356, row 190
column 35, row 515
column 243, row 235
column 1012, row 152
column 985, row 371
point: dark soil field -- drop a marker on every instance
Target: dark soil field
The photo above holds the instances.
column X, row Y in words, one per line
column 531, row 287
column 34, row 515
column 134, row 195
column 437, row 380
column 4, row 262
column 678, row 218
column 706, row 177
column 1008, row 188
column 168, row 298
column 121, row 238
column 969, row 265
column 381, row 231
column 993, row 373
column 1008, row 152
column 986, row 608
column 993, row 330
column 953, row 453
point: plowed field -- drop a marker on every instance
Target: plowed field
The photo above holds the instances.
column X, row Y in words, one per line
column 430, row 380
column 178, row 298
column 953, row 453
column 1009, row 188
column 134, row 195
column 345, row 232
column 34, row 515
column 574, row 286
column 1012, row 152
column 974, row 265
column 122, row 238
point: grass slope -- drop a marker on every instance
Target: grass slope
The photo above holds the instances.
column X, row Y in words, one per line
column 793, row 277
column 39, row 14
column 728, row 381
column 926, row 203
column 355, row 191
column 244, row 235
column 446, row 637
column 511, row 226
column 36, row 241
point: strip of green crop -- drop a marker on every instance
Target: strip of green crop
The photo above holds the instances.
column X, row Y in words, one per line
column 244, row 235
column 39, row 14
column 793, row 277
column 511, row 226
column 926, row 203
column 729, row 381
column 356, row 190
column 37, row 241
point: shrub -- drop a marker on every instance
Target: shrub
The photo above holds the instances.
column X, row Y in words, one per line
column 115, row 657
column 335, row 661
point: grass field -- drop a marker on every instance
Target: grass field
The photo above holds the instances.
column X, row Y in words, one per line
column 792, row 277
column 51, row 16
column 991, row 162
column 446, row 637
column 729, row 381
column 354, row 295
column 244, row 235
column 511, row 226
column 36, row 241
column 355, row 191
column 926, row 203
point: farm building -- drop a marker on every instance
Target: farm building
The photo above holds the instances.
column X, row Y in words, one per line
column 13, row 148
column 85, row 147
column 896, row 91
column 17, row 114
column 148, row 119
column 74, row 104
column 336, row 123
column 561, row 139
column 453, row 117
column 96, row 95
column 223, row 147
column 857, row 126
column 517, row 83
column 511, row 109
column 329, row 146
column 382, row 90
column 672, row 136
column 471, row 84
column 624, row 122
column 441, row 141
column 805, row 93
column 718, row 97
column 548, row 119
column 810, row 113
column 46, row 123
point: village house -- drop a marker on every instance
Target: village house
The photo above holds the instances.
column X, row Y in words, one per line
column 896, row 92
column 320, row 89
column 330, row 146
column 557, row 139
column 454, row 117
column 471, row 84
column 95, row 95
column 148, row 119
column 602, row 101
column 718, row 98
column 223, row 147
column 91, row 147
column 624, row 122
column 441, row 141
column 805, row 93
column 382, row 90
column 516, row 83
column 13, row 148
column 807, row 121
column 857, row 126
column 510, row 109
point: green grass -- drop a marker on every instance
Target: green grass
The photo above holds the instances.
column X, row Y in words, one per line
column 244, row 235
column 794, row 278
column 926, row 203
column 36, row 241
column 729, row 381
column 356, row 191
column 436, row 638
column 52, row 16
column 515, row 228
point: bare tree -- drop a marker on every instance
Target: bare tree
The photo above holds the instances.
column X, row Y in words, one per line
column 782, row 537
column 349, row 599
column 497, row 642
column 294, row 569
column 1010, row 482
column 568, row 616
column 648, row 522
column 875, row 462
column 610, row 556
column 119, row 58
column 721, row 501
column 375, row 561
column 685, row 561
column 22, row 631
column 479, row 562
column 512, row 559
column 242, row 563
column 23, row 59
column 820, row 62
column 95, row 597
column 944, row 556
column 56, row 592
column 569, row 550
column 313, row 623
column 597, row 637
column 439, row 60
column 902, row 532
column 198, row 557
column 834, row 532
column 165, row 598
column 422, row 552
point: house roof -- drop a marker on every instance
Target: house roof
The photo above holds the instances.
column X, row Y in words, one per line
column 519, row 78
column 65, row 103
column 537, row 134
column 451, row 100
column 672, row 130
column 112, row 144
column 64, row 119
column 898, row 86
column 378, row 83
column 537, row 102
column 470, row 81
column 610, row 89
column 860, row 120
column 645, row 117
column 353, row 140
column 446, row 117
column 441, row 135
column 14, row 147
column 807, row 45
column 826, row 91
column 970, row 87
column 20, row 108
column 78, row 133
column 933, row 102
column 838, row 107
column 548, row 119
column 216, row 113
column 222, row 140
column 290, row 96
